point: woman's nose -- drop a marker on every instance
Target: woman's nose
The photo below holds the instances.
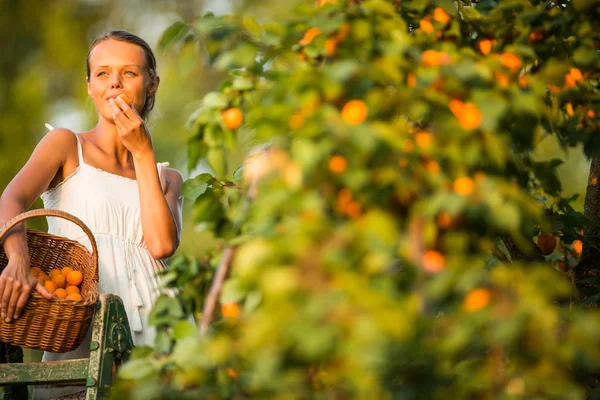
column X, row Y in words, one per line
column 115, row 81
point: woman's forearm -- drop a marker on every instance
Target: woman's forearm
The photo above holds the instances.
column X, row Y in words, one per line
column 158, row 223
column 15, row 241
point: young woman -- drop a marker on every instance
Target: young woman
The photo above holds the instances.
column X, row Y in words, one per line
column 109, row 178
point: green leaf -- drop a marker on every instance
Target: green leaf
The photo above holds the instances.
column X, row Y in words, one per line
column 184, row 329
column 136, row 369
column 216, row 160
column 238, row 175
column 584, row 56
column 192, row 188
column 214, row 100
column 162, row 342
column 232, row 291
column 546, row 173
column 173, row 34
column 243, row 84
column 196, row 150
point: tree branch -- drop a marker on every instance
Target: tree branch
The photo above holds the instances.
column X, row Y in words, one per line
column 591, row 210
column 517, row 254
column 215, row 290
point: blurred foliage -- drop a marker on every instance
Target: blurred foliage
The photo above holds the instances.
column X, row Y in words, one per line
column 376, row 217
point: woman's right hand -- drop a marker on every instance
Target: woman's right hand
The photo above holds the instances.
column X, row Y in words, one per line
column 16, row 283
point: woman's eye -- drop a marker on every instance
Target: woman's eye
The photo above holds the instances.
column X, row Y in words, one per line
column 130, row 73
column 101, row 73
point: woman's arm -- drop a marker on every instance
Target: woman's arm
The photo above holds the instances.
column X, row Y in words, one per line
column 16, row 281
column 160, row 210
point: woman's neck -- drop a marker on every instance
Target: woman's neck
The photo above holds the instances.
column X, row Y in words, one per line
column 106, row 137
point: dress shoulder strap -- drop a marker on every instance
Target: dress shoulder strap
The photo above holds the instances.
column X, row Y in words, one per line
column 79, row 150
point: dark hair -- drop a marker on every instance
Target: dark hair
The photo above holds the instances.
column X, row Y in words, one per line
column 128, row 37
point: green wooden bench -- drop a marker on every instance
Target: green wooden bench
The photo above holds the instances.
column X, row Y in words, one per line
column 111, row 345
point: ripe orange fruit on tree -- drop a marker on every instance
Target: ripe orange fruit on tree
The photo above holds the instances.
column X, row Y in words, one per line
column 309, row 35
column 74, row 297
column 343, row 31
column 433, row 261
column 355, row 112
column 546, row 242
column 432, row 58
column 433, row 168
column 463, row 186
column 60, row 281
column 424, row 139
column 337, row 164
column 444, row 220
column 72, row 289
column 511, row 61
column 232, row 117
column 468, row 115
column 426, row 26
column 60, row 293
column 36, row 271
column 230, row 310
column 577, row 247
column 485, row 46
column 476, row 300
column 441, row 16
column 330, row 46
column 411, row 80
column 75, row 278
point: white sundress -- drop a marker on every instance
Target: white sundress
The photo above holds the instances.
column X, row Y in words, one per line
column 109, row 205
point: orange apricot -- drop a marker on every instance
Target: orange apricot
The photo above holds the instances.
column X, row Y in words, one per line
column 337, row 164
column 66, row 271
column 485, row 46
column 441, row 16
column 74, row 297
column 546, row 242
column 309, row 35
column 60, row 281
column 232, row 117
column 433, row 261
column 50, row 286
column 230, row 310
column 476, row 300
column 75, row 278
column 463, row 186
column 72, row 289
column 355, row 112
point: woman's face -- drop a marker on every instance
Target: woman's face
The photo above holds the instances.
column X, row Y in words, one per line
column 118, row 67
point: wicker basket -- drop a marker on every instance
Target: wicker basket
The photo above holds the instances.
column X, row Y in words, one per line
column 53, row 325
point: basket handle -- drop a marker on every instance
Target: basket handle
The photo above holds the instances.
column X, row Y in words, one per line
column 47, row 212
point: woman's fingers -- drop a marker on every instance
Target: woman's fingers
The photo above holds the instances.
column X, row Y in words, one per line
column 128, row 111
column 14, row 297
column 21, row 301
column 41, row 289
column 3, row 306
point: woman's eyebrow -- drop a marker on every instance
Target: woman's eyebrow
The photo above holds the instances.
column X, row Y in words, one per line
column 123, row 66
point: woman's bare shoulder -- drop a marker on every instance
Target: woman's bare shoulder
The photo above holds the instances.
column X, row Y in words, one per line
column 60, row 136
column 172, row 176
